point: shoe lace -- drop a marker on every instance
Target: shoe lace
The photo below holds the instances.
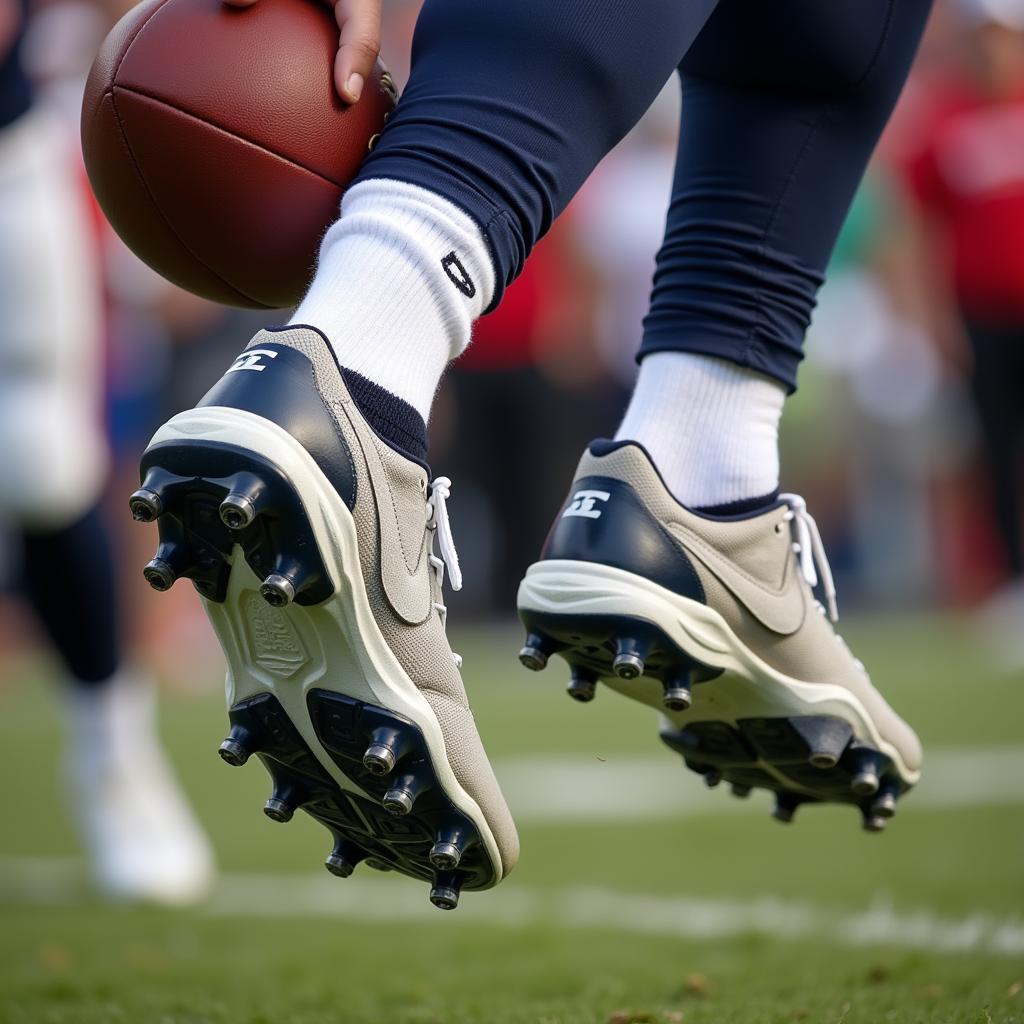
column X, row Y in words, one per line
column 810, row 552
column 437, row 520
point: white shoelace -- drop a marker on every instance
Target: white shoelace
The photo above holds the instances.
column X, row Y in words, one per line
column 811, row 551
column 437, row 520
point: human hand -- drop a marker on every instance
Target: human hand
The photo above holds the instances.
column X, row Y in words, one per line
column 358, row 43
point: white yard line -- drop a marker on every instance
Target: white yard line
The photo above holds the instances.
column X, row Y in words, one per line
column 59, row 882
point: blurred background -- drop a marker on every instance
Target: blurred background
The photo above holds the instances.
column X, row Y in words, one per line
column 906, row 437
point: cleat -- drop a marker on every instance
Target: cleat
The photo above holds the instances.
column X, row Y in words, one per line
column 445, row 892
column 741, row 792
column 278, row 809
column 398, row 800
column 865, row 780
column 342, row 860
column 628, row 664
column 632, row 583
column 238, row 747
column 582, row 686
column 826, row 738
column 534, row 654
column 676, row 695
column 884, row 804
column 159, row 574
column 785, row 807
column 145, row 505
column 233, row 753
column 240, row 508
column 874, row 822
column 278, row 483
column 449, row 848
column 385, row 750
column 277, row 590
column 712, row 778
column 378, row 864
column 445, row 856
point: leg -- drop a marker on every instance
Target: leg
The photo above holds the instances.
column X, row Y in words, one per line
column 783, row 105
column 709, row 615
column 508, row 110
column 140, row 836
column 310, row 527
column 997, row 388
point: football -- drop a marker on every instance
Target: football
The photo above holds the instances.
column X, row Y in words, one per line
column 217, row 147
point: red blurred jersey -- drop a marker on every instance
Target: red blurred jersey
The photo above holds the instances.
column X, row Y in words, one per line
column 969, row 175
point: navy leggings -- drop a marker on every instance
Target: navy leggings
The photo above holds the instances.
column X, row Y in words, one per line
column 512, row 103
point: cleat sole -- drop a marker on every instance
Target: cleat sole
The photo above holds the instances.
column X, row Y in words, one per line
column 295, row 672
column 745, row 725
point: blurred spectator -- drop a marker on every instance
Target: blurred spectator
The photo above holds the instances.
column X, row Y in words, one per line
column 968, row 178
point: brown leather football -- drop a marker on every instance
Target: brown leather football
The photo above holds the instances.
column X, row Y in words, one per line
column 217, row 147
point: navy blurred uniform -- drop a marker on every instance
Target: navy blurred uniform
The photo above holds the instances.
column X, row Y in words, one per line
column 53, row 465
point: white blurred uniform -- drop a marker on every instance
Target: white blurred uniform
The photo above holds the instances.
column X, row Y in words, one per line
column 54, row 457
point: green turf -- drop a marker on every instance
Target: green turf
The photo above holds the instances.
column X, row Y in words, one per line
column 76, row 960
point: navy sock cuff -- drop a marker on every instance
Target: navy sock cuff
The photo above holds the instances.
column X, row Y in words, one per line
column 394, row 419
column 742, row 507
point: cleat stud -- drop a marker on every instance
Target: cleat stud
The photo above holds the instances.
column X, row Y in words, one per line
column 874, row 822
column 826, row 737
column 238, row 747
column 785, row 807
column 387, row 746
column 676, row 694
column 343, row 859
column 866, row 779
column 712, row 778
column 741, row 792
column 884, row 804
column 398, row 800
column 450, row 847
column 145, row 505
column 445, row 856
column 823, row 760
column 159, row 574
column 628, row 662
column 243, row 503
column 582, row 686
column 233, row 753
column 378, row 759
column 277, row 590
column 338, row 866
column 535, row 652
column 277, row 810
column 445, row 892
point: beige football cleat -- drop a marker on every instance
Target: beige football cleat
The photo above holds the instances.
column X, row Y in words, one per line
column 713, row 621
column 310, row 540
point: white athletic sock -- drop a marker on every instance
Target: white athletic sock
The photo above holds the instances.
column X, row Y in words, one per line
column 401, row 277
column 711, row 427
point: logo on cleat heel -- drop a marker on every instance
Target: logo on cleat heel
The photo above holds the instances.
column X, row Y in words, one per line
column 583, row 504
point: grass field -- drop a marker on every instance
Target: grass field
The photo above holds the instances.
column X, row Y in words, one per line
column 640, row 896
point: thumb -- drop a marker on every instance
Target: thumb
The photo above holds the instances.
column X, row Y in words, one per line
column 359, row 21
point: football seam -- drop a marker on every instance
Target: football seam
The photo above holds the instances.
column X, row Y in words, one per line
column 138, row 32
column 163, row 216
column 227, row 131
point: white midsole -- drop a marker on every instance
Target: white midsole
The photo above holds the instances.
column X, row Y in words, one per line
column 335, row 645
column 749, row 687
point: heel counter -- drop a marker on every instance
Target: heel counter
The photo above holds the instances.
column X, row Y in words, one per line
column 603, row 520
column 278, row 383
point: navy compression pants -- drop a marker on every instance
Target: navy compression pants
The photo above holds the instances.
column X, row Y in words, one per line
column 512, row 103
